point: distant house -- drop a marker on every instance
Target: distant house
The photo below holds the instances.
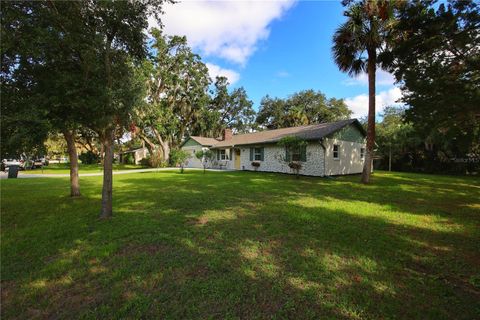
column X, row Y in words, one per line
column 335, row 148
column 136, row 154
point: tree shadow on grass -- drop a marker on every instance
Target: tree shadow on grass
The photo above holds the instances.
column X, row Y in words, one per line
column 246, row 247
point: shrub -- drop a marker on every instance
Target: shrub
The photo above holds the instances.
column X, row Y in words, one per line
column 128, row 158
column 145, row 162
column 206, row 156
column 155, row 160
column 255, row 165
column 89, row 157
column 179, row 157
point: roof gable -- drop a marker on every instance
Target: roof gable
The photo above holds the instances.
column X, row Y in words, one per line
column 352, row 133
column 196, row 140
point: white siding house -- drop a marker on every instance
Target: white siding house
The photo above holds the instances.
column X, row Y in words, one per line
column 335, row 148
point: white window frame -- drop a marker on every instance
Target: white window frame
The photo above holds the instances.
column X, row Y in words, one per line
column 337, row 152
column 223, row 154
column 296, row 154
column 255, row 154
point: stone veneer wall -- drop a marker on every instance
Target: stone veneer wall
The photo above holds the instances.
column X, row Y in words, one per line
column 272, row 154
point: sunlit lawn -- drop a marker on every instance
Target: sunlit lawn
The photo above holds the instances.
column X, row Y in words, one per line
column 64, row 168
column 241, row 245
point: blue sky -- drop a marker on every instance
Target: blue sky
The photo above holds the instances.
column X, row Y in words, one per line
column 274, row 47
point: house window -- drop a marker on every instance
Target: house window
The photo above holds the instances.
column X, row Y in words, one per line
column 257, row 154
column 336, row 152
column 296, row 154
column 193, row 151
column 223, row 155
column 362, row 153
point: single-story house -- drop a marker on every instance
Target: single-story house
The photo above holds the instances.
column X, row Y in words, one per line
column 335, row 148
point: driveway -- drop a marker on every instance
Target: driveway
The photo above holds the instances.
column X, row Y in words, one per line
column 23, row 175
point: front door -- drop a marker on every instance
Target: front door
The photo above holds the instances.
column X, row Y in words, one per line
column 237, row 159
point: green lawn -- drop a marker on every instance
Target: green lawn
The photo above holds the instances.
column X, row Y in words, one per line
column 83, row 168
column 242, row 245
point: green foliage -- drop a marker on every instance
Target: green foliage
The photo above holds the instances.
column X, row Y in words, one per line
column 357, row 40
column 212, row 240
column 145, row 162
column 155, row 159
column 302, row 108
column 179, row 157
column 227, row 110
column 410, row 150
column 206, row 156
column 292, row 142
column 177, row 89
column 436, row 58
column 128, row 158
column 358, row 46
column 89, row 157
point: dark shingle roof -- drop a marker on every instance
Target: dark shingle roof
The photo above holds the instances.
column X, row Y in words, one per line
column 310, row 132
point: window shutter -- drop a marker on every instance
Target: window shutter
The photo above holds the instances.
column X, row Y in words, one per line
column 218, row 154
column 230, row 155
column 303, row 154
column 251, row 154
column 261, row 154
column 287, row 154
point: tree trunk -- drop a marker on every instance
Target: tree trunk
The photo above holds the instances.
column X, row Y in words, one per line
column 390, row 159
column 166, row 151
column 107, row 189
column 367, row 167
column 164, row 144
column 73, row 156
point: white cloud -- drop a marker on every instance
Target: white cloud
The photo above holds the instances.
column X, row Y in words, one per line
column 383, row 78
column 214, row 70
column 359, row 104
column 283, row 74
column 225, row 29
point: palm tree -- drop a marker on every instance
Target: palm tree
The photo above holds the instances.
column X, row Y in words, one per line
column 364, row 32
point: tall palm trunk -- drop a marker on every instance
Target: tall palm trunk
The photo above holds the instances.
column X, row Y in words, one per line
column 73, row 157
column 107, row 190
column 371, row 69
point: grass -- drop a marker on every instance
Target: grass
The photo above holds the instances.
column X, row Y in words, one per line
column 242, row 245
column 64, row 168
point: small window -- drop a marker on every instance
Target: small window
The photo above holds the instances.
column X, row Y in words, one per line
column 336, row 152
column 193, row 151
column 257, row 154
column 296, row 154
column 362, row 153
column 223, row 155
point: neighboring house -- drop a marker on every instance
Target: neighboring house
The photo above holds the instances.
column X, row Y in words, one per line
column 334, row 148
column 137, row 155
